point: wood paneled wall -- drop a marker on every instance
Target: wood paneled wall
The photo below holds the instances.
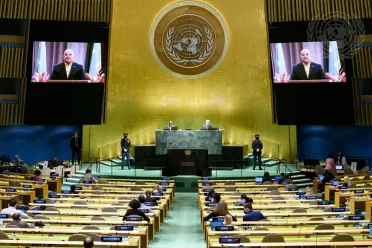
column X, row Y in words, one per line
column 307, row 10
column 59, row 10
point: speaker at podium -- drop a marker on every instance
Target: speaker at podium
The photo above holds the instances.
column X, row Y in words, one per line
column 187, row 162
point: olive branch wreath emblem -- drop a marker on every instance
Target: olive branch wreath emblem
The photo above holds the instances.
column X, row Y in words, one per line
column 203, row 56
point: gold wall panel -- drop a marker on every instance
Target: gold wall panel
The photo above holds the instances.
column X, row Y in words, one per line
column 305, row 10
column 11, row 61
column 142, row 97
column 15, row 9
column 362, row 69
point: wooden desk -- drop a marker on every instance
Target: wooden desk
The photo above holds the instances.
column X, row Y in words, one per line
column 73, row 222
column 86, row 212
column 137, row 232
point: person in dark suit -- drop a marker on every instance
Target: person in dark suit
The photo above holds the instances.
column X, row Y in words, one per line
column 307, row 70
column 75, row 146
column 125, row 151
column 251, row 215
column 170, row 125
column 257, row 147
column 135, row 205
column 148, row 197
column 68, row 70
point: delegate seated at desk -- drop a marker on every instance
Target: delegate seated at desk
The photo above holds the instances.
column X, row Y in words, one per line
column 251, row 215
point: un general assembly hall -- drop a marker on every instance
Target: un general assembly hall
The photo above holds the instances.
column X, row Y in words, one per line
column 188, row 124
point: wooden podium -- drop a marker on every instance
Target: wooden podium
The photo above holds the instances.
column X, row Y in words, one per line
column 187, row 162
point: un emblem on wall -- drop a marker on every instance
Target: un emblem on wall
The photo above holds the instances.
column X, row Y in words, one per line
column 189, row 39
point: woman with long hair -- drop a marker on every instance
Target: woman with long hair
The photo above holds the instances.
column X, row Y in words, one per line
column 220, row 210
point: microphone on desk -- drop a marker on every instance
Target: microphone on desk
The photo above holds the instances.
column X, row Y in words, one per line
column 300, row 230
column 60, row 217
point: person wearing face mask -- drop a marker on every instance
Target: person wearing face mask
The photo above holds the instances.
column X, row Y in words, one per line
column 341, row 159
column 307, row 70
column 125, row 149
column 75, row 146
column 68, row 69
column 257, row 151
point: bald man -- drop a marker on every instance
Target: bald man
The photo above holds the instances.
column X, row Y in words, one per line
column 307, row 70
column 68, row 70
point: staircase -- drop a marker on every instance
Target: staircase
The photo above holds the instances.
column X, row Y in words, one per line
column 268, row 162
column 300, row 179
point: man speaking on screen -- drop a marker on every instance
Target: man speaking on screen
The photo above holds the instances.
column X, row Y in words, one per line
column 307, row 70
column 68, row 70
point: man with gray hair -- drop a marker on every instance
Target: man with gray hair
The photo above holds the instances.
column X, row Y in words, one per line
column 68, row 70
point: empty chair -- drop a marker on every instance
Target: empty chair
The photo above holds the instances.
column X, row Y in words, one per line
column 77, row 237
column 135, row 188
column 353, row 185
column 367, row 177
column 299, row 210
column 95, row 237
column 109, row 210
column 343, row 238
column 354, row 179
column 267, row 183
column 102, row 181
column 348, row 171
column 290, row 186
column 15, row 184
column 41, row 217
column 97, row 188
column 98, row 218
column 325, row 226
column 25, row 169
column 274, row 192
column 236, row 193
column 271, row 188
column 91, row 228
column 316, row 219
column 229, row 183
column 81, row 203
column 273, row 238
column 51, row 209
column 230, row 189
column 3, row 236
column 261, row 229
column 333, row 172
column 139, row 183
column 49, row 201
column 11, row 226
column 327, row 210
column 366, row 185
column 365, row 169
column 277, row 198
column 319, row 170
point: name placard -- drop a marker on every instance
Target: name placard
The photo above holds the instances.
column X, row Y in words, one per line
column 111, row 239
column 124, row 228
column 229, row 240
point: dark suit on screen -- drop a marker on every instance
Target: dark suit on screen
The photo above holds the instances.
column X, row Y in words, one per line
column 299, row 73
column 76, row 72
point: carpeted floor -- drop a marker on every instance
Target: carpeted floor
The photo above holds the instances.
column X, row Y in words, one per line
column 182, row 227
